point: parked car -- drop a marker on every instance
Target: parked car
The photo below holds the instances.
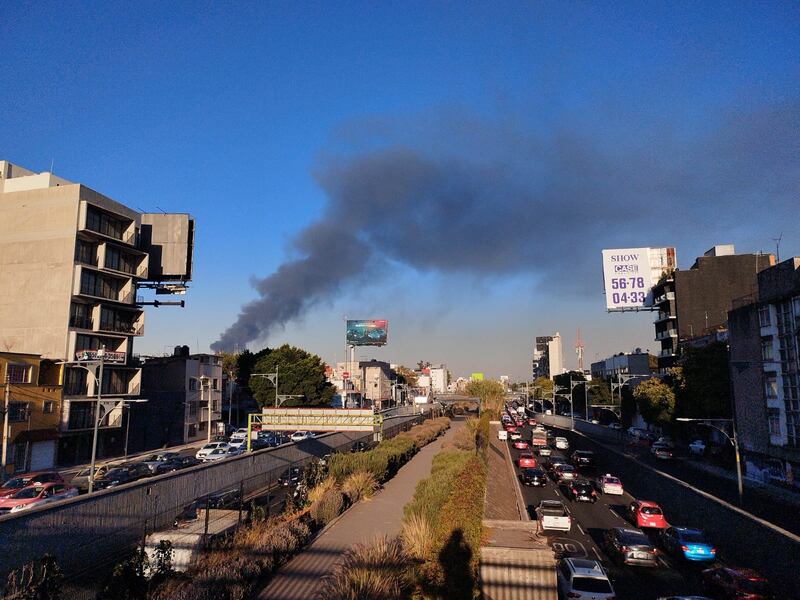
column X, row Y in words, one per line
column 81, row 479
column 661, row 451
column 614, row 426
column 535, row 477
column 520, row 444
column 177, row 463
column 219, row 454
column 562, row 443
column 300, row 436
column 583, row 458
column 209, row 448
column 630, row 547
column 697, row 447
column 35, row 495
column 688, row 544
column 526, row 460
column 582, row 491
column 583, row 578
column 611, row 485
column 730, row 582
column 290, row 476
column 17, row 482
column 224, row 499
column 124, row 473
column 643, row 513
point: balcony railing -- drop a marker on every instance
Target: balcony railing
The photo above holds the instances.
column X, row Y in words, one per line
column 664, row 298
column 667, row 352
column 669, row 333
column 81, row 322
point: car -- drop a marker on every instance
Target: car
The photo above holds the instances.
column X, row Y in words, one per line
column 683, row 598
column 218, row 454
column 643, row 513
column 238, row 441
column 510, row 427
column 544, row 451
column 515, row 435
column 564, row 473
column 697, row 447
column 635, row 431
column 526, row 459
column 17, row 482
column 553, row 515
column 124, row 473
column 531, row 421
column 630, row 547
column 661, row 451
column 535, row 477
column 688, row 544
column 154, row 460
column 520, row 444
column 583, row 458
column 359, row 447
column 594, row 421
column 611, row 485
column 176, row 464
column 581, row 491
column 224, row 499
column 81, row 479
column 554, row 461
column 209, row 448
column 35, row 495
column 562, row 443
column 732, row 582
column 667, row 441
column 583, row 578
column 300, row 436
column 290, row 476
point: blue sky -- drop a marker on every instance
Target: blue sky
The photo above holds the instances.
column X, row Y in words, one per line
column 251, row 116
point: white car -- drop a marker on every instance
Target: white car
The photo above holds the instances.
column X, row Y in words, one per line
column 562, row 443
column 583, row 578
column 216, row 454
column 209, row 448
column 610, row 485
column 697, row 447
column 515, row 435
column 299, row 436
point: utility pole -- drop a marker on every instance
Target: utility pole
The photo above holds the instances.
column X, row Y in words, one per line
column 6, row 404
column 98, row 381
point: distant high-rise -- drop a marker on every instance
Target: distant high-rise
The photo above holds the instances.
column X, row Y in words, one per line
column 548, row 360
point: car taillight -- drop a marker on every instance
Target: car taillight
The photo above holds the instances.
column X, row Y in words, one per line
column 624, row 549
column 685, row 548
column 713, row 551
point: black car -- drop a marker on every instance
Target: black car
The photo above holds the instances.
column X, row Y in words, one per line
column 582, row 491
column 553, row 461
column 290, row 476
column 359, row 447
column 583, row 459
column 535, row 477
column 631, row 547
column 176, row 464
column 122, row 474
column 224, row 499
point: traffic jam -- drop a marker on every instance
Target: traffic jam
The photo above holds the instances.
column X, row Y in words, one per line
column 610, row 544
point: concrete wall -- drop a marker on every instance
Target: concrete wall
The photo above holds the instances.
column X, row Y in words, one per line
column 91, row 530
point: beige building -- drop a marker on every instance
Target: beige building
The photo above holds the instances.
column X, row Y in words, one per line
column 71, row 262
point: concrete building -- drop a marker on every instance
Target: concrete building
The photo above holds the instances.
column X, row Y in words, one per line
column 71, row 263
column 179, row 389
column 548, row 356
column 630, row 363
column 33, row 390
column 438, row 375
column 764, row 337
column 376, row 376
column 694, row 303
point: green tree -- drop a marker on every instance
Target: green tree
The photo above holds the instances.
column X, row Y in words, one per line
column 491, row 395
column 542, row 387
column 406, row 375
column 702, row 382
column 299, row 373
column 656, row 401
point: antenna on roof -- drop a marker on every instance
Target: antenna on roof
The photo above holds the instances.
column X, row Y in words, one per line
column 52, row 164
column 777, row 241
column 161, row 209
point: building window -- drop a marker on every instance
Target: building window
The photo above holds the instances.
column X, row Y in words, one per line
column 774, row 421
column 771, row 386
column 766, row 349
column 192, row 408
column 93, row 284
column 86, row 253
column 80, row 316
column 18, row 412
column 192, row 384
column 104, row 223
column 18, row 373
column 763, row 316
column 119, row 261
column 75, row 383
column 215, row 384
column 192, row 430
column 203, row 425
column 48, row 406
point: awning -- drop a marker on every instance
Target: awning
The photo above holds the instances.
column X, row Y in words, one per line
column 36, row 435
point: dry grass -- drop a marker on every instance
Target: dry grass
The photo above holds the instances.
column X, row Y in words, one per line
column 370, row 572
column 359, row 486
column 318, row 491
column 416, row 537
column 328, row 507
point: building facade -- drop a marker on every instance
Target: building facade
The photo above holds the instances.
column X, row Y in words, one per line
column 32, row 389
column 694, row 303
column 764, row 337
column 438, row 374
column 548, row 357
column 631, row 363
column 71, row 263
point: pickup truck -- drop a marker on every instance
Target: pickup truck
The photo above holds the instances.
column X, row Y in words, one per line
column 552, row 514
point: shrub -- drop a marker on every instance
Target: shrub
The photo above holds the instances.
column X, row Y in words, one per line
column 321, row 489
column 370, row 572
column 359, row 486
column 327, row 508
column 432, row 492
column 416, row 537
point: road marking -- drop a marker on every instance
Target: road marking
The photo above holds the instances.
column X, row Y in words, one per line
column 613, row 512
column 580, row 528
column 596, row 553
column 704, row 494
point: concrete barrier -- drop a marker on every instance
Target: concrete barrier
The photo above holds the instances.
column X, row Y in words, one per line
column 86, row 531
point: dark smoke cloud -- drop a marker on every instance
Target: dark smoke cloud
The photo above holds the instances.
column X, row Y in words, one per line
column 489, row 199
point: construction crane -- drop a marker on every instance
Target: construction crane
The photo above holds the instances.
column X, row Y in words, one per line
column 579, row 350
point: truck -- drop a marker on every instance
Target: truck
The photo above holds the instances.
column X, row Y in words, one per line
column 552, row 514
column 539, row 439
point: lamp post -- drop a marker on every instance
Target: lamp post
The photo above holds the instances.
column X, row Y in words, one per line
column 731, row 438
column 273, row 377
column 6, row 406
column 93, row 366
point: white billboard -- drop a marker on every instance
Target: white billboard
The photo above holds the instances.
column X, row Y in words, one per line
column 629, row 275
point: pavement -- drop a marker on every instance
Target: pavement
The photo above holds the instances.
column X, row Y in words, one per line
column 301, row 578
column 502, row 501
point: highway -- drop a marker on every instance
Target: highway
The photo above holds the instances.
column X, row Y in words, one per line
column 672, row 577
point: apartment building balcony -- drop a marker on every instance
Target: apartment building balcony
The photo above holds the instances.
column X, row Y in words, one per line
column 126, row 261
column 79, row 415
column 102, row 224
column 81, row 322
column 116, row 319
column 663, row 317
column 118, row 380
column 667, row 352
column 666, row 334
column 665, row 297
column 96, row 284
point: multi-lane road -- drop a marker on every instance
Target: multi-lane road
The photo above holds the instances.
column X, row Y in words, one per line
column 736, row 543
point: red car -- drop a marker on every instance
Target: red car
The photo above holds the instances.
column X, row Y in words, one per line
column 531, row 421
column 644, row 513
column 527, row 460
column 18, row 482
column 509, row 427
column 36, row 495
column 729, row 582
column 520, row 444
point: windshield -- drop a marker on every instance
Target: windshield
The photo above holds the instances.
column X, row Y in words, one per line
column 16, row 482
column 591, row 584
column 651, row 510
column 566, row 468
column 115, row 474
column 612, row 480
column 30, row 492
column 693, row 537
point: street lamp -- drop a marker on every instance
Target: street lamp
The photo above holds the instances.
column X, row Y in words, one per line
column 732, row 439
column 273, row 378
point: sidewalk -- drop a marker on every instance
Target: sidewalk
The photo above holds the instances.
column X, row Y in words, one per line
column 502, row 501
column 300, row 578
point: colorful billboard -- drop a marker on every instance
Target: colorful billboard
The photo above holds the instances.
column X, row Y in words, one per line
column 371, row 332
column 476, row 377
column 629, row 275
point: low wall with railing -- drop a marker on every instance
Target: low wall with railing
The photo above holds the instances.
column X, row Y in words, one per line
column 88, row 531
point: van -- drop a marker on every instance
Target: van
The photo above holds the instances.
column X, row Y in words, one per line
column 502, row 435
